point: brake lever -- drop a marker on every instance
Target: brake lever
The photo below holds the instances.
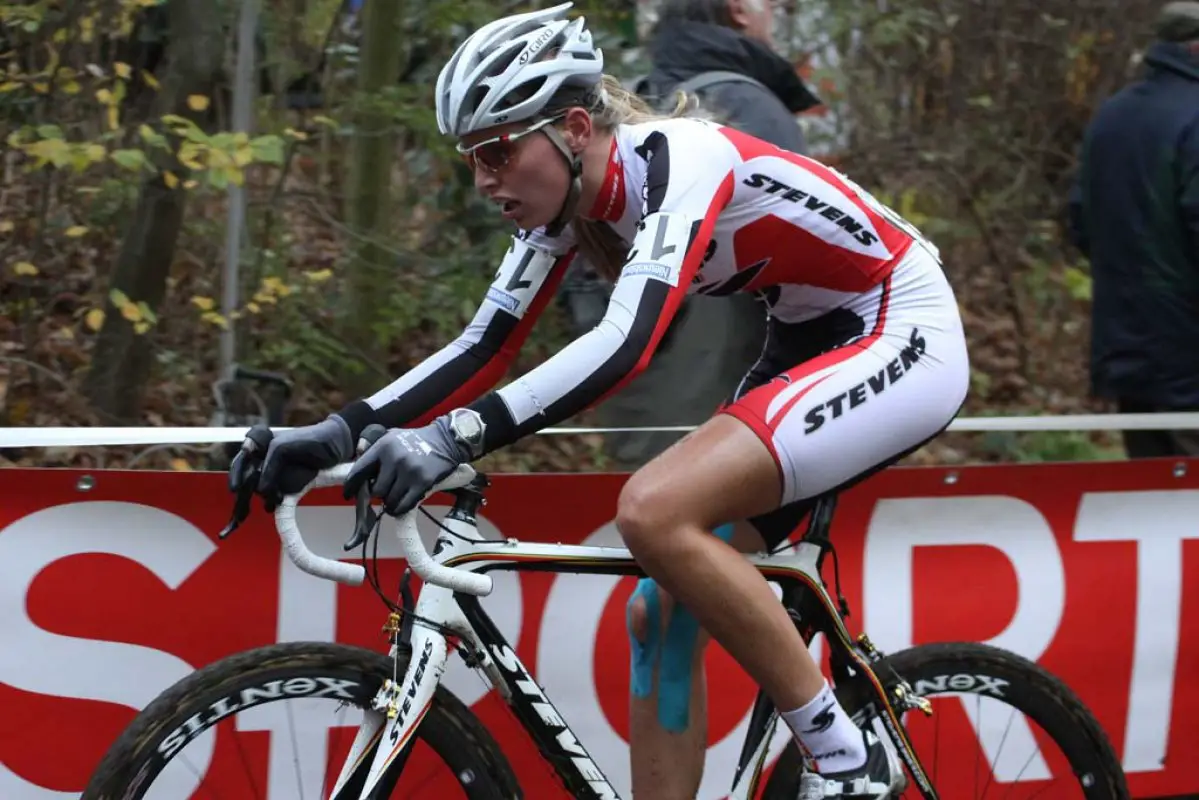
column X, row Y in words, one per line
column 243, row 475
column 365, row 517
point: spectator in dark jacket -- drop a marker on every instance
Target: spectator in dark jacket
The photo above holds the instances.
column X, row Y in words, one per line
column 714, row 341
column 696, row 36
column 1135, row 213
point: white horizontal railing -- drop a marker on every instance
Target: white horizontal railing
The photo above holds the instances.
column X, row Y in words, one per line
column 113, row 437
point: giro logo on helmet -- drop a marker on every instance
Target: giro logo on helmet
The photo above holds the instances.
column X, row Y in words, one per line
column 537, row 44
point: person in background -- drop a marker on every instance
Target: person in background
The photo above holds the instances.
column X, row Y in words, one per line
column 1134, row 212
column 725, row 49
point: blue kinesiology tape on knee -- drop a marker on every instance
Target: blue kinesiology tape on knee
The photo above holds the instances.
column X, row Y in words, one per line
column 724, row 533
column 644, row 654
column 678, row 652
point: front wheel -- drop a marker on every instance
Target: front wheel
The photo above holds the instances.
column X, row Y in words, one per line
column 1001, row 724
column 212, row 733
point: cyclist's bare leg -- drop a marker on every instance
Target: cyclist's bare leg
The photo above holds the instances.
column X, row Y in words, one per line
column 666, row 511
column 666, row 764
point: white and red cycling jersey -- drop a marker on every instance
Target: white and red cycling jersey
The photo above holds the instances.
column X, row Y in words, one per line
column 856, row 300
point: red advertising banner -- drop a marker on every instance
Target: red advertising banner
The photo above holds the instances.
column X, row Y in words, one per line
column 113, row 585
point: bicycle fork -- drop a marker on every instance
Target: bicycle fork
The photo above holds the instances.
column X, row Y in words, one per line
column 893, row 701
column 391, row 722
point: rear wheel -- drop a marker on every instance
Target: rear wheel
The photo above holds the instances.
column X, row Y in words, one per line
column 1001, row 725
column 204, row 736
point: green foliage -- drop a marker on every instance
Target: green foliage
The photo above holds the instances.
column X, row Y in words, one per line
column 93, row 151
column 963, row 116
column 1052, row 446
column 82, row 114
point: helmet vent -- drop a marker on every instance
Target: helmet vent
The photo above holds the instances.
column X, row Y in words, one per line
column 521, row 94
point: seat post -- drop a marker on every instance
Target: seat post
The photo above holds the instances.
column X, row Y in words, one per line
column 820, row 524
column 821, row 519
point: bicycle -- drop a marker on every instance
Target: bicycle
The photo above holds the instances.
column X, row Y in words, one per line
column 402, row 699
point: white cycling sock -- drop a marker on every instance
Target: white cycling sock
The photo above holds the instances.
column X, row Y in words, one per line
column 827, row 733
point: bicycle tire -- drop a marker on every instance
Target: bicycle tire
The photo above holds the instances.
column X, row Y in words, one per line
column 1031, row 689
column 449, row 728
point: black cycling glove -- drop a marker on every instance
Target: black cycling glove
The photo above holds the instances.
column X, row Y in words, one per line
column 297, row 455
column 406, row 464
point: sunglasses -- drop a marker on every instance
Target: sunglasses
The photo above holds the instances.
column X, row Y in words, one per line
column 497, row 153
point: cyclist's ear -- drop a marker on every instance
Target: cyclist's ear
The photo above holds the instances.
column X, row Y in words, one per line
column 578, row 128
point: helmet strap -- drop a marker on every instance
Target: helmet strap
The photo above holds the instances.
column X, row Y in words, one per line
column 575, row 162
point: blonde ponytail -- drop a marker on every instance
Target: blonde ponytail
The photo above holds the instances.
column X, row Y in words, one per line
column 618, row 106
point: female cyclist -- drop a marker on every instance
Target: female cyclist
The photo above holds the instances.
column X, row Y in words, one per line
column 865, row 361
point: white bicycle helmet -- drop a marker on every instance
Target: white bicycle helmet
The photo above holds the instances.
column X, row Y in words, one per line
column 500, row 74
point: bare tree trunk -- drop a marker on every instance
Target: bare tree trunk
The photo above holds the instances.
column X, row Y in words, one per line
column 368, row 206
column 122, row 359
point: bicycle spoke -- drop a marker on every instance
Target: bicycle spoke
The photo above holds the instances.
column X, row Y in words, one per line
column 1002, row 741
column 978, row 707
column 245, row 762
column 1016, row 782
column 232, row 771
column 208, row 790
column 325, row 787
column 1056, row 746
column 1041, row 790
column 936, row 745
column 295, row 748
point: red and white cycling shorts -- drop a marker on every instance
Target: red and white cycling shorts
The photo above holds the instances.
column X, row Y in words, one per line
column 837, row 397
